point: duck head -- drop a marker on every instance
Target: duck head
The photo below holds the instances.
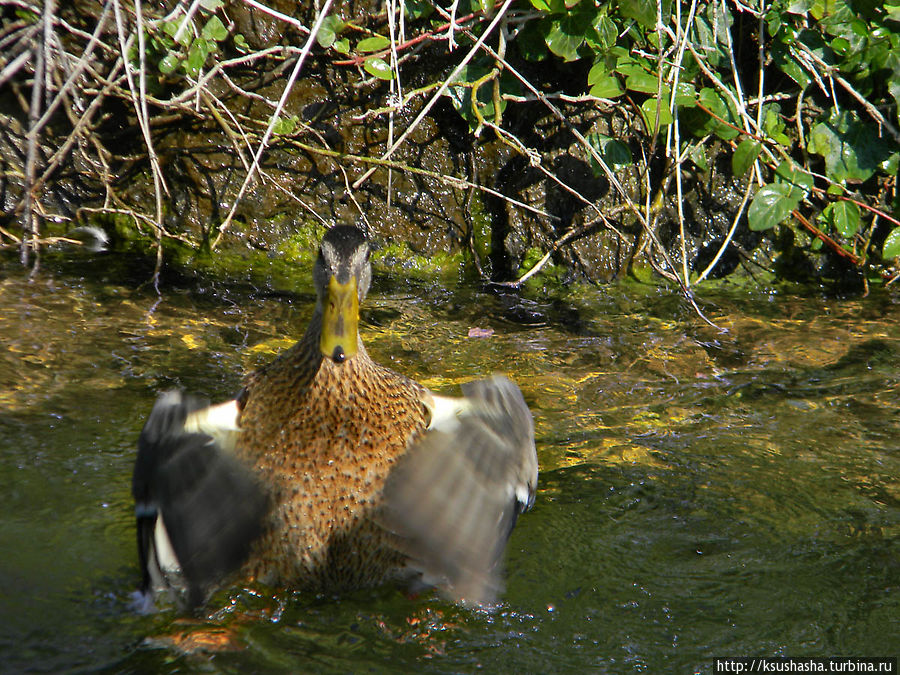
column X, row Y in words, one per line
column 342, row 275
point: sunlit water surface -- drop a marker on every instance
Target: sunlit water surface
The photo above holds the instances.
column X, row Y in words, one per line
column 702, row 493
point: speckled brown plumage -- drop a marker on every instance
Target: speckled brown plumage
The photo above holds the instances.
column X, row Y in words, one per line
column 322, row 436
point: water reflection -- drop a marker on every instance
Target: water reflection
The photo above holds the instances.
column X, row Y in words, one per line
column 702, row 493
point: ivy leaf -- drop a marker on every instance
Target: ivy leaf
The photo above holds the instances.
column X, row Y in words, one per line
column 597, row 72
column 891, row 247
column 531, row 40
column 373, row 44
column 604, row 34
column 378, row 68
column 843, row 216
column 603, row 83
column 642, row 11
column 565, row 37
column 771, row 204
column 744, row 155
column 773, row 125
column 852, row 149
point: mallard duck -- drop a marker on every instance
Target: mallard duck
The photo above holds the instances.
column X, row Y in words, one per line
column 330, row 472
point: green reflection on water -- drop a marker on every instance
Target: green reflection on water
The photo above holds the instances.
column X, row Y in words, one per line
column 702, row 493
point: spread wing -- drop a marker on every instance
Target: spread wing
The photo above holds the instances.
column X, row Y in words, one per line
column 453, row 499
column 198, row 508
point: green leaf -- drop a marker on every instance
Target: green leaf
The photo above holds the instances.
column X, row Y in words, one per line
column 606, row 87
column 531, row 40
column 285, row 126
column 378, row 68
column 418, row 9
column 791, row 174
column 169, row 63
column 604, row 33
column 197, row 54
column 341, row 46
column 771, row 204
column 214, row 29
column 649, row 108
column 840, row 45
column 331, row 27
column 712, row 100
column 565, row 37
column 852, row 148
column 597, row 72
column 773, row 124
column 699, row 158
column 643, row 82
column 170, row 28
column 744, row 155
column 843, row 216
column 798, row 7
column 240, row 43
column 373, row 44
column 211, row 5
column 891, row 247
column 627, row 66
column 642, row 11
column 785, row 61
column 615, row 153
column 685, row 95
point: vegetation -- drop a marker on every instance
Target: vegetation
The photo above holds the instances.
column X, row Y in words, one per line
column 790, row 107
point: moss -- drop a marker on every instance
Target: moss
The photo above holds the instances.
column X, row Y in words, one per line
column 303, row 244
column 398, row 255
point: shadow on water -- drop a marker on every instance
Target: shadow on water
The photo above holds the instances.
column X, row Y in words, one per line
column 702, row 493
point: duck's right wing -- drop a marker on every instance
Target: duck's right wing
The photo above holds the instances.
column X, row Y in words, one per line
column 453, row 499
column 198, row 508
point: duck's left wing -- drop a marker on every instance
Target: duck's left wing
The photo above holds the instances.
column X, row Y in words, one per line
column 453, row 499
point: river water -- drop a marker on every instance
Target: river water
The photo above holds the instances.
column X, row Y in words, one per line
column 730, row 491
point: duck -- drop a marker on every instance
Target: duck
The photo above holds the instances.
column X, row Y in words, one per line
column 329, row 472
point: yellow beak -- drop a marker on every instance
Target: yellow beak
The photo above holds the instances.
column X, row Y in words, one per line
column 340, row 321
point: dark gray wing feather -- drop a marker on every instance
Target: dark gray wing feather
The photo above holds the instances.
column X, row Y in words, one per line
column 454, row 497
column 211, row 505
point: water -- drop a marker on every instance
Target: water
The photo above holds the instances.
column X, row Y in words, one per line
column 701, row 493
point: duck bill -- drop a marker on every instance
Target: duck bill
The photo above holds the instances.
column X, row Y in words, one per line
column 340, row 321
